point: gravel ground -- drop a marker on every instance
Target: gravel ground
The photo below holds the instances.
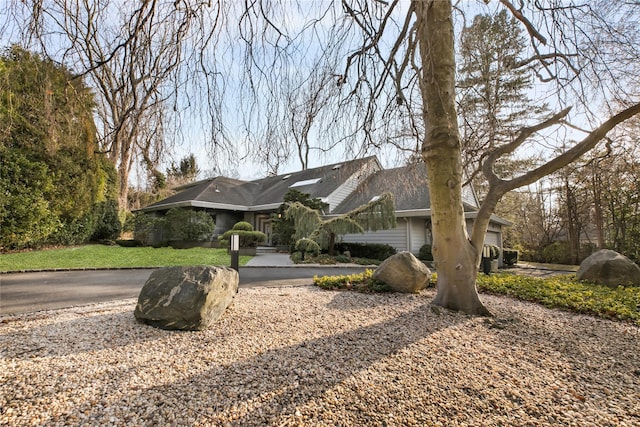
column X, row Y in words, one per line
column 300, row 356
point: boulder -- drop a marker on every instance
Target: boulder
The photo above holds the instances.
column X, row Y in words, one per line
column 403, row 272
column 609, row 268
column 186, row 298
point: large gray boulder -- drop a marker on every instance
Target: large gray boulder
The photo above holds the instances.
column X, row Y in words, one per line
column 186, row 298
column 403, row 272
column 609, row 268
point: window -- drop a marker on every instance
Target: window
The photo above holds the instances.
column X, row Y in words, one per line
column 305, row 182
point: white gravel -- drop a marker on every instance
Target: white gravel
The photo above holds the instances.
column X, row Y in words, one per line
column 301, row 356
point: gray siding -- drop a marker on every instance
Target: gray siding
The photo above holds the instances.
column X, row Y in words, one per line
column 468, row 196
column 492, row 238
column 409, row 235
column 349, row 186
column 417, row 234
column 396, row 237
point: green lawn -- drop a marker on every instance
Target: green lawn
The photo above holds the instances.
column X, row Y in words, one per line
column 101, row 256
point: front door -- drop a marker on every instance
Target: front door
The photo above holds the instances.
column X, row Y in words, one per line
column 264, row 225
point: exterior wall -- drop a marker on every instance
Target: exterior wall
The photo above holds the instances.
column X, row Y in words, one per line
column 263, row 224
column 344, row 190
column 492, row 238
column 411, row 233
column 250, row 217
column 469, row 196
column 225, row 221
column 396, row 237
column 417, row 234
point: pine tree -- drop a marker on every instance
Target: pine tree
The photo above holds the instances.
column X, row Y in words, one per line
column 492, row 87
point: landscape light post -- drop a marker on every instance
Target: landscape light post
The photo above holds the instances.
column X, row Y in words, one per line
column 235, row 251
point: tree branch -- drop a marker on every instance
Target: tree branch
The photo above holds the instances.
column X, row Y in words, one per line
column 528, row 25
column 523, row 134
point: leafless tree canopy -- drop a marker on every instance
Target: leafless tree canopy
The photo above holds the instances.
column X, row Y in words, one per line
column 282, row 79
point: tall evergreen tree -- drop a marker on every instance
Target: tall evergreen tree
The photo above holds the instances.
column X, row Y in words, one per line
column 51, row 177
column 493, row 103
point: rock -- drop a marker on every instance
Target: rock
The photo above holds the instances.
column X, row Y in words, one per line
column 186, row 298
column 609, row 268
column 403, row 272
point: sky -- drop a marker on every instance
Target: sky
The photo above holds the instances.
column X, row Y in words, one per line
column 192, row 136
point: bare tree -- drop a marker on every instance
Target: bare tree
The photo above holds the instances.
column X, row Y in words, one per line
column 432, row 35
column 138, row 56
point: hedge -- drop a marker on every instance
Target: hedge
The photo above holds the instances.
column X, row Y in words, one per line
column 367, row 250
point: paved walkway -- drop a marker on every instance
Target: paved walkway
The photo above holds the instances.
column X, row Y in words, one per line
column 270, row 260
column 541, row 270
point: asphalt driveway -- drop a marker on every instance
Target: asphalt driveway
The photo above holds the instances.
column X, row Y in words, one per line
column 26, row 292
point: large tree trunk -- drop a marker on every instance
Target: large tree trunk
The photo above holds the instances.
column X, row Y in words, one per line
column 454, row 255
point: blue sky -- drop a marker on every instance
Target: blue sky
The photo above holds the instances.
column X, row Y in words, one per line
column 193, row 137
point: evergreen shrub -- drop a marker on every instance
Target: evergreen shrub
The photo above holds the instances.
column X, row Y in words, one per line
column 425, row 253
column 107, row 221
column 188, row 225
column 248, row 237
column 376, row 251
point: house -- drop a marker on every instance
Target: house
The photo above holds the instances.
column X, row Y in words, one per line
column 341, row 186
column 408, row 184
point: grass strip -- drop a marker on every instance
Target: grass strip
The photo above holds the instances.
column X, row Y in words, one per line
column 103, row 256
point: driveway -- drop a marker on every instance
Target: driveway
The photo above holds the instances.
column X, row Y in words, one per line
column 25, row 292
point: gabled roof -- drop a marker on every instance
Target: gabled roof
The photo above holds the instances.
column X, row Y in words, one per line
column 220, row 190
column 407, row 184
column 265, row 193
column 317, row 182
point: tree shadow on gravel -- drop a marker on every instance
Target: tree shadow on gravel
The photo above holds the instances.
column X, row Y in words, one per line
column 590, row 352
column 87, row 333
column 350, row 300
column 278, row 381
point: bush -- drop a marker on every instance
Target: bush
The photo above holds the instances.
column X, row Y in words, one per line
column 26, row 217
column 128, row 243
column 145, row 226
column 129, row 224
column 425, row 253
column 342, row 258
column 189, row 225
column 308, row 245
column 243, row 226
column 107, row 221
column 367, row 250
column 74, row 232
column 361, row 282
column 510, row 256
column 556, row 253
column 248, row 237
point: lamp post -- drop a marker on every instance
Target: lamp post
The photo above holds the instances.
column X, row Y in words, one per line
column 235, row 251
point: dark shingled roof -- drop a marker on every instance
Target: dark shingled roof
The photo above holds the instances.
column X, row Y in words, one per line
column 216, row 190
column 408, row 184
column 273, row 189
column 265, row 191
